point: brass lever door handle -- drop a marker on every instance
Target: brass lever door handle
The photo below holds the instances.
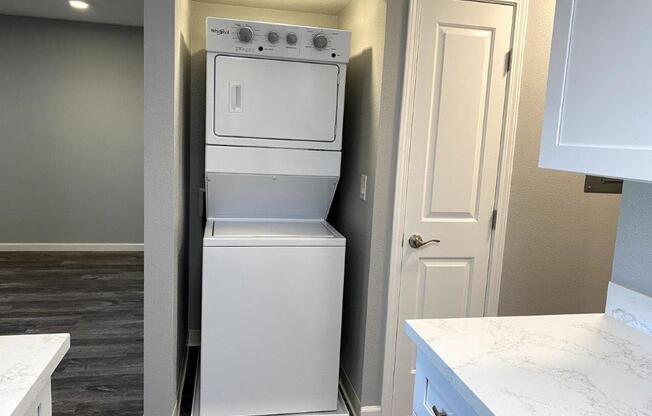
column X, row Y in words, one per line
column 416, row 241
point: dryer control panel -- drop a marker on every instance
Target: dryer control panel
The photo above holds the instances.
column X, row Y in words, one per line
column 240, row 37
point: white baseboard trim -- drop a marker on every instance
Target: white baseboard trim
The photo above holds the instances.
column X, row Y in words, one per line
column 352, row 400
column 348, row 392
column 184, row 369
column 196, row 391
column 370, row 410
column 70, row 247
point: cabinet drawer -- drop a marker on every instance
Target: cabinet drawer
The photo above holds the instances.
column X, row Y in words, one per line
column 432, row 391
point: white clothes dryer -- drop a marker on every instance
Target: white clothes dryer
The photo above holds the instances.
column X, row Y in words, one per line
column 270, row 85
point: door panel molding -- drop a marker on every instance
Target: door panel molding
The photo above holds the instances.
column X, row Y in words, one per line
column 429, row 276
column 400, row 195
column 449, row 40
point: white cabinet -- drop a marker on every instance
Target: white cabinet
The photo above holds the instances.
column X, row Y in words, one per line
column 26, row 365
column 598, row 115
column 42, row 404
column 434, row 395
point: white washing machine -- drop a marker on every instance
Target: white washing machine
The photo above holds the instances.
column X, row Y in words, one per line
column 273, row 268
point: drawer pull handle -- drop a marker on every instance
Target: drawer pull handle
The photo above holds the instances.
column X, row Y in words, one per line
column 437, row 412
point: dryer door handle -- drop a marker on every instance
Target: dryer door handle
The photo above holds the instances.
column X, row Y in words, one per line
column 235, row 96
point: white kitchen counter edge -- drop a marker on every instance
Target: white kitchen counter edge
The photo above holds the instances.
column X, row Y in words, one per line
column 630, row 307
column 42, row 380
column 625, row 305
column 467, row 394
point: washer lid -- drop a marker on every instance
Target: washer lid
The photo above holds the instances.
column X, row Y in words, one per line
column 231, row 196
column 270, row 233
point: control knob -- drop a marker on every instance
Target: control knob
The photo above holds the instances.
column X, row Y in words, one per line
column 320, row 41
column 245, row 34
column 291, row 38
column 272, row 37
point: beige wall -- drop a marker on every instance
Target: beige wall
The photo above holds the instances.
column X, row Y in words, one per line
column 201, row 10
column 559, row 245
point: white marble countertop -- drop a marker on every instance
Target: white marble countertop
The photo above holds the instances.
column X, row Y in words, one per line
column 588, row 364
column 26, row 364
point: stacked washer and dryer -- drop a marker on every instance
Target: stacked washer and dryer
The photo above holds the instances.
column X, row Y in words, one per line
column 273, row 268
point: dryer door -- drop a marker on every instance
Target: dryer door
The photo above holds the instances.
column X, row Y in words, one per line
column 273, row 103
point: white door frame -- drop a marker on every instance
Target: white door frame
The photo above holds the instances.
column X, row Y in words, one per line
column 400, row 193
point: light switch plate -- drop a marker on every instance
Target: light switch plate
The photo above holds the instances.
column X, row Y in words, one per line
column 363, row 187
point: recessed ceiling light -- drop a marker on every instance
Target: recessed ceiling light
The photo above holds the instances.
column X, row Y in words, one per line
column 78, row 4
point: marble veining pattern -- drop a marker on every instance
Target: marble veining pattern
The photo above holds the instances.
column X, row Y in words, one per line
column 585, row 365
column 630, row 307
column 25, row 361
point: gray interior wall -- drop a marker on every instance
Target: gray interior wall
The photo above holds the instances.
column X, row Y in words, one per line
column 167, row 89
column 559, row 242
column 633, row 258
column 349, row 214
column 385, row 177
column 372, row 111
column 71, row 117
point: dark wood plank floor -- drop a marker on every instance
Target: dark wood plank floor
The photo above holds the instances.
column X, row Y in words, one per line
column 98, row 299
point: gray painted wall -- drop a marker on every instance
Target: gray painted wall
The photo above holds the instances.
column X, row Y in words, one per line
column 349, row 214
column 633, row 257
column 167, row 93
column 372, row 111
column 381, row 229
column 71, row 117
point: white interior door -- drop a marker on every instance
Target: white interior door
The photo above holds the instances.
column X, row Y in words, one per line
column 459, row 95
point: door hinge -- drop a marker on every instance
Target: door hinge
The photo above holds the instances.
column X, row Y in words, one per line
column 494, row 218
column 508, row 61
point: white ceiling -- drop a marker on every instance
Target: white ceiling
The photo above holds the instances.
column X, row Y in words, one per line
column 331, row 7
column 116, row 12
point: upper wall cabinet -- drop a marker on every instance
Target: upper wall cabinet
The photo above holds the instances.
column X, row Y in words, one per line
column 598, row 116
